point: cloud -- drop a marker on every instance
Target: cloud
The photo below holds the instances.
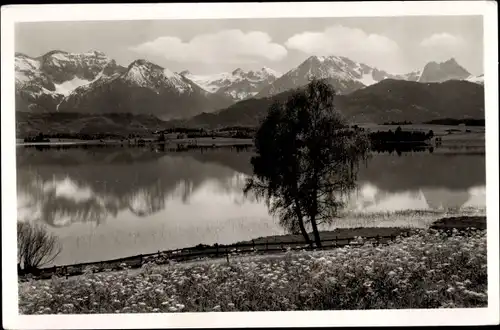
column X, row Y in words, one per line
column 442, row 46
column 227, row 46
column 372, row 49
column 443, row 40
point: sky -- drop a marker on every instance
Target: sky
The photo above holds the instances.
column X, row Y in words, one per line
column 394, row 44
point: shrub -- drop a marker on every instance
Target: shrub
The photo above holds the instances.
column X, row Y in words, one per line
column 35, row 246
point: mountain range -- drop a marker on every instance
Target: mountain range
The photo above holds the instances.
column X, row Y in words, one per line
column 93, row 83
column 388, row 100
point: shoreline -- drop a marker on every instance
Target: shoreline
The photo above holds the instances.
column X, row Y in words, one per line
column 268, row 245
column 203, row 142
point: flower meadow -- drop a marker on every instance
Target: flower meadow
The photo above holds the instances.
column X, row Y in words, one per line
column 429, row 269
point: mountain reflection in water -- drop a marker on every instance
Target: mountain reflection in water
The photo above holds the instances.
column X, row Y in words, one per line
column 112, row 202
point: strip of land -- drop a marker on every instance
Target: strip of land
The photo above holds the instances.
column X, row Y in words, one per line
column 429, row 269
column 264, row 245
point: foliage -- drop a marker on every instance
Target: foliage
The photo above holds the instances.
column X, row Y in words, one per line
column 427, row 270
column 36, row 247
column 383, row 137
column 38, row 138
column 161, row 137
column 404, row 122
column 242, row 135
column 306, row 157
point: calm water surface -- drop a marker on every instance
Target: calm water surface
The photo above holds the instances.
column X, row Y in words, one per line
column 106, row 203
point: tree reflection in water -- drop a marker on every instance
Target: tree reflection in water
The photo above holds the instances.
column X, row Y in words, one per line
column 95, row 183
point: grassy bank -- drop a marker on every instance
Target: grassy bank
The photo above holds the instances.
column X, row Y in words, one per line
column 267, row 245
column 430, row 269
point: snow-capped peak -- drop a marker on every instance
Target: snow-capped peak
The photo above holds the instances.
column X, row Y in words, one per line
column 237, row 84
column 320, row 59
column 58, row 73
column 342, row 68
column 149, row 75
column 344, row 74
column 271, row 72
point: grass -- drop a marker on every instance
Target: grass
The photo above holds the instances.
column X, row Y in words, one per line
column 383, row 224
column 353, row 224
column 430, row 269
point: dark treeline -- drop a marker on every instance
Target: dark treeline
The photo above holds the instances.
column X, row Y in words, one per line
column 37, row 138
column 455, row 122
column 238, row 128
column 184, row 130
column 237, row 132
column 399, row 136
column 44, row 137
column 156, row 147
column 398, row 123
column 240, row 132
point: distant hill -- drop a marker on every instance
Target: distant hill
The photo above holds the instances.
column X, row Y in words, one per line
column 388, row 100
column 398, row 100
column 119, row 124
column 244, row 113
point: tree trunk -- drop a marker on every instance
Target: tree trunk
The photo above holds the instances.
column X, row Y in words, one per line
column 298, row 211
column 301, row 224
column 315, row 208
column 317, row 238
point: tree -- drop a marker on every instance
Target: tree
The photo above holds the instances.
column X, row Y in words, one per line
column 35, row 246
column 307, row 159
column 161, row 137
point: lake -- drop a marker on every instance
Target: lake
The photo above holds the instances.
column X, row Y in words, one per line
column 106, row 203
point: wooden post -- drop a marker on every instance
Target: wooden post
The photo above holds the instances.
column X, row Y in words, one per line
column 378, row 240
column 217, row 250
column 253, row 245
column 227, row 255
